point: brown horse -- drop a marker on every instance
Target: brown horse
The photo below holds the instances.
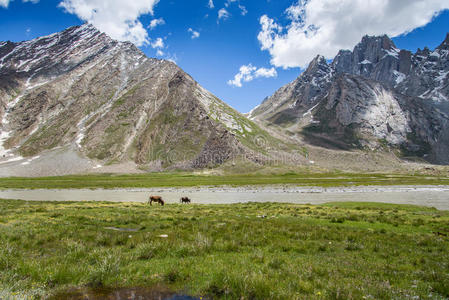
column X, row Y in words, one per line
column 157, row 199
column 185, row 200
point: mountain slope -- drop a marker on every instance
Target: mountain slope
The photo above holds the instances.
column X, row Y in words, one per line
column 81, row 91
column 375, row 97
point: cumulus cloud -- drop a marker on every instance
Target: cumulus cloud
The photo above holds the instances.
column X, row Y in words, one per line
column 158, row 43
column 249, row 72
column 5, row 3
column 118, row 18
column 156, row 22
column 211, row 4
column 195, row 34
column 326, row 26
column 223, row 14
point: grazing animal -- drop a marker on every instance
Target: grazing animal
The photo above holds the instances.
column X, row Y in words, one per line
column 157, row 199
column 185, row 200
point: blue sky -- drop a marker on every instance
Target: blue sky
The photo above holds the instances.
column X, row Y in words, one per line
column 273, row 36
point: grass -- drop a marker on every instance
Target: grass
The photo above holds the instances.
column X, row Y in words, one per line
column 188, row 180
column 331, row 251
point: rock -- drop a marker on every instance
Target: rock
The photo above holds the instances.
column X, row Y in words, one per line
column 374, row 97
column 79, row 88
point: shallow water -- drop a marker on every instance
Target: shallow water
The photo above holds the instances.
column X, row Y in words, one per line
column 432, row 197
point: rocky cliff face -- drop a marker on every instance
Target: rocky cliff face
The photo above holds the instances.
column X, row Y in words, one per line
column 82, row 91
column 374, row 97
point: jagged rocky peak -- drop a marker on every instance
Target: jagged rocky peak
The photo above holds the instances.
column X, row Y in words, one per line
column 375, row 57
column 445, row 44
column 57, row 53
column 24, row 56
column 369, row 51
column 423, row 52
column 384, row 94
column 298, row 96
column 373, row 48
column 318, row 65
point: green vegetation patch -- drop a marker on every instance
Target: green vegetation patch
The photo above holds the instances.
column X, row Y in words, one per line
column 184, row 179
column 242, row 251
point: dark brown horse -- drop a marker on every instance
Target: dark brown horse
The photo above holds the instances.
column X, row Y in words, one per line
column 185, row 200
column 157, row 199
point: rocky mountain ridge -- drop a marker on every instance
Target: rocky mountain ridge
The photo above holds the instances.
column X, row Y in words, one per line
column 375, row 97
column 105, row 102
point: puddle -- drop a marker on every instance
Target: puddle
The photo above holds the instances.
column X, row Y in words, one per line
column 120, row 294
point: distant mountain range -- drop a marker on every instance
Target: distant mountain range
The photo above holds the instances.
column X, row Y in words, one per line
column 374, row 97
column 79, row 101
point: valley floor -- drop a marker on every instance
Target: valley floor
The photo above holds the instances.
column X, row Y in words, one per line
column 239, row 251
column 429, row 196
column 214, row 178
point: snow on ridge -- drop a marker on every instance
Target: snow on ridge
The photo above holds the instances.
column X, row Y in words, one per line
column 309, row 112
column 392, row 52
column 400, row 77
column 250, row 113
column 6, row 134
column 435, row 93
column 442, row 76
column 365, row 62
column 435, row 54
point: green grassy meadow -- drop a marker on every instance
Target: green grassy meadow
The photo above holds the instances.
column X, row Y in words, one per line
column 242, row 251
column 181, row 179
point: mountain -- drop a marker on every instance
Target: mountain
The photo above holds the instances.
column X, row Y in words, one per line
column 376, row 97
column 77, row 100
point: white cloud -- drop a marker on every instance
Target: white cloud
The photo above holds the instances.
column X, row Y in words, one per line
column 156, row 22
column 248, row 73
column 159, row 52
column 195, row 34
column 211, row 4
column 223, row 14
column 229, row 2
column 158, row 43
column 326, row 26
column 5, row 3
column 118, row 18
column 243, row 10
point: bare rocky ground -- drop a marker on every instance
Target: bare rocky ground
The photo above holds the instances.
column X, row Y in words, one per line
column 58, row 162
column 68, row 161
